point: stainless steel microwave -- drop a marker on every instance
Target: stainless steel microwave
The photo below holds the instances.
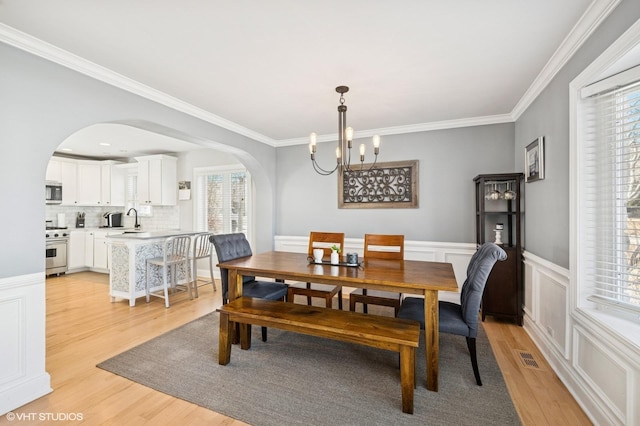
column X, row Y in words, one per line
column 53, row 191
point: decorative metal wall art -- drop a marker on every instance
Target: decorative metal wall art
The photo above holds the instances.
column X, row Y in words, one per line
column 387, row 185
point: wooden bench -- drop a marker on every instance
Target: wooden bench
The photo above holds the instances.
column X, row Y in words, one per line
column 388, row 333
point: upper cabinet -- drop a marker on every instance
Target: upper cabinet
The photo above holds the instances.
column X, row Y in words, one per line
column 53, row 171
column 88, row 183
column 112, row 184
column 157, row 176
column 69, row 179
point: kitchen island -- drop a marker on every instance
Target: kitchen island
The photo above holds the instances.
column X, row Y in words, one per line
column 129, row 253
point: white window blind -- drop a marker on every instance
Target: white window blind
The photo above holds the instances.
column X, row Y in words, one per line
column 132, row 191
column 610, row 196
column 222, row 200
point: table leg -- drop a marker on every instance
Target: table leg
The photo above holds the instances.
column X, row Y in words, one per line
column 242, row 333
column 431, row 337
column 235, row 284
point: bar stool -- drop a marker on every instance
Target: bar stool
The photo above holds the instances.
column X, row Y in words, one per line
column 175, row 252
column 202, row 248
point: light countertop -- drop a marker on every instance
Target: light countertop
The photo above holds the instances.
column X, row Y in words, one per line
column 147, row 235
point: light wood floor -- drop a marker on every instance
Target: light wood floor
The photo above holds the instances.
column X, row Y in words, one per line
column 84, row 328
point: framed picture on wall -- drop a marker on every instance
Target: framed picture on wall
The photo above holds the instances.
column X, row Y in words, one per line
column 534, row 160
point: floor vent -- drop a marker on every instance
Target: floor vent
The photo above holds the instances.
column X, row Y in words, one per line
column 527, row 359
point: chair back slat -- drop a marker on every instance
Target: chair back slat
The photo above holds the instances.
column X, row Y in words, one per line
column 202, row 245
column 177, row 248
column 379, row 246
column 325, row 240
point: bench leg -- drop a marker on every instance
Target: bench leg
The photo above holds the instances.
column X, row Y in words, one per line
column 407, row 377
column 224, row 339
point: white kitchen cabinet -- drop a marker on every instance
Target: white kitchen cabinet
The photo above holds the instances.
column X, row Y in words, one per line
column 88, row 248
column 113, row 187
column 88, row 184
column 76, row 251
column 53, row 171
column 69, row 179
column 100, row 252
column 157, row 183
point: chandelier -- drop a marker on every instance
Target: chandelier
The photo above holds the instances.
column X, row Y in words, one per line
column 345, row 139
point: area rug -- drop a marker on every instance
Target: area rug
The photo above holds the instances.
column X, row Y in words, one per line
column 293, row 379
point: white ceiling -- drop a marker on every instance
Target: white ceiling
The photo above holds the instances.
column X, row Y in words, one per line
column 271, row 67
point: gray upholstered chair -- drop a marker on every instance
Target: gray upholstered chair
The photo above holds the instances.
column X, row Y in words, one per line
column 235, row 246
column 462, row 319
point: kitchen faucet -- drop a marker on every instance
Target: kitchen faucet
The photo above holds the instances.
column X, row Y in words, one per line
column 137, row 225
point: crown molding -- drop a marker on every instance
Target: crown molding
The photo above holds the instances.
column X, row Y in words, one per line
column 590, row 20
column 597, row 12
column 35, row 46
column 412, row 128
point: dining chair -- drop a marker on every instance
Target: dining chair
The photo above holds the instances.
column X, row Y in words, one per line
column 235, row 246
column 379, row 246
column 175, row 255
column 324, row 241
column 202, row 249
column 462, row 319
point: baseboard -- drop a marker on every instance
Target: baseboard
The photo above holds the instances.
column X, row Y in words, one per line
column 19, row 394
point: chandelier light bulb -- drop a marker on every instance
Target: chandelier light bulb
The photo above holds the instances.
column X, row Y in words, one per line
column 376, row 141
column 376, row 144
column 348, row 132
column 312, row 145
column 362, row 148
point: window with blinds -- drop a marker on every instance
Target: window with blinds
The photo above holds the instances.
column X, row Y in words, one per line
column 609, row 192
column 222, row 200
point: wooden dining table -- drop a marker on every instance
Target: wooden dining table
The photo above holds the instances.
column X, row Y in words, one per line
column 404, row 276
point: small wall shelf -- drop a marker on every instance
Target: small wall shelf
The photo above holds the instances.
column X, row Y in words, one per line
column 499, row 201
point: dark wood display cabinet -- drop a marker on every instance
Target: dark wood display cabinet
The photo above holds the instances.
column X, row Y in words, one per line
column 499, row 217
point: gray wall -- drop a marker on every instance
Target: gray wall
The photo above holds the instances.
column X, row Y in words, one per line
column 449, row 160
column 43, row 103
column 547, row 201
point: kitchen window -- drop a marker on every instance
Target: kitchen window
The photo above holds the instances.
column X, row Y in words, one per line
column 222, row 200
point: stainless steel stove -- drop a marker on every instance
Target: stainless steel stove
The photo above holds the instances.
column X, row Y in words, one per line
column 57, row 240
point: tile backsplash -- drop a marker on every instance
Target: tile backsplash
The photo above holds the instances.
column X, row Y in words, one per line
column 164, row 217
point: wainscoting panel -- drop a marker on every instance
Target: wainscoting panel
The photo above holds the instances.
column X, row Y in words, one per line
column 12, row 311
column 528, row 302
column 552, row 310
column 22, row 332
column 602, row 374
column 606, row 374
